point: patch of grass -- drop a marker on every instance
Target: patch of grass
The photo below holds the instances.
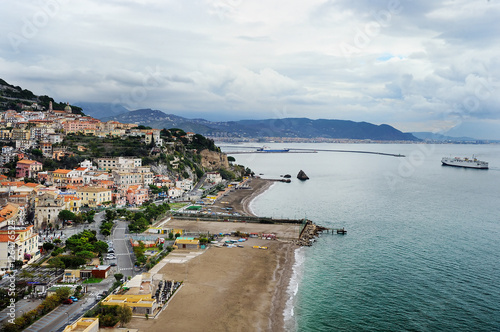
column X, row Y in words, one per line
column 92, row 281
column 176, row 206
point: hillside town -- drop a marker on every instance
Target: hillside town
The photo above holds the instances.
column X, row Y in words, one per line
column 61, row 170
column 35, row 196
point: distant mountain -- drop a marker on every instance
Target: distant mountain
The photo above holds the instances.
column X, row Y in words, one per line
column 102, row 110
column 288, row 127
column 429, row 136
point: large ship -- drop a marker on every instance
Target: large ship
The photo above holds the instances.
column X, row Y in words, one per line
column 266, row 149
column 465, row 162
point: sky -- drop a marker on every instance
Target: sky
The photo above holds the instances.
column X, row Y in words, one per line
column 424, row 65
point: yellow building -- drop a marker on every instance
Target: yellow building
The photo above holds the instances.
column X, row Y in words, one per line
column 18, row 243
column 84, row 324
column 140, row 304
column 186, row 243
column 93, row 196
column 60, row 176
column 72, row 203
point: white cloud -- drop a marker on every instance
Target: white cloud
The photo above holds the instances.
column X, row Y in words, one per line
column 428, row 63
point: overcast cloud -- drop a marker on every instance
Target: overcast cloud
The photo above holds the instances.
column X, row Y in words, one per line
column 417, row 65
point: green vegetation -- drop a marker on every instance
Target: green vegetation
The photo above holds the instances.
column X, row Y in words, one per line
column 67, row 262
column 86, row 241
column 142, row 219
column 139, row 253
column 49, row 304
column 109, row 316
column 92, row 281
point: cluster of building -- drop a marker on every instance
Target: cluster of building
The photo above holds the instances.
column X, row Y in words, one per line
column 45, row 130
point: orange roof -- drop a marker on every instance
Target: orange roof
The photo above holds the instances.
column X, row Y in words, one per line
column 31, row 184
column 8, row 237
column 12, row 183
column 61, row 171
column 3, row 177
column 80, row 168
column 68, row 198
column 27, row 161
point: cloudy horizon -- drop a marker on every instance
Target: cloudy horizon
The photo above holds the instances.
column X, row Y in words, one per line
column 416, row 65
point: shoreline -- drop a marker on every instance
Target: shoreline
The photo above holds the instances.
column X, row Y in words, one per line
column 262, row 186
column 242, row 289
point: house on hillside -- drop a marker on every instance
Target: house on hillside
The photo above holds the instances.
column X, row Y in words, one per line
column 28, row 168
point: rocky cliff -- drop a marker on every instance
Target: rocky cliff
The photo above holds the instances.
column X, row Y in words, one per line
column 211, row 160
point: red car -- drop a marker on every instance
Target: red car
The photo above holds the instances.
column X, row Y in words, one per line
column 68, row 301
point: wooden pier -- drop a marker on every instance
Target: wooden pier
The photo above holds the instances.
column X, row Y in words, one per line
column 341, row 231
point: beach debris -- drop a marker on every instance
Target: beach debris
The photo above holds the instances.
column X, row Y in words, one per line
column 302, row 176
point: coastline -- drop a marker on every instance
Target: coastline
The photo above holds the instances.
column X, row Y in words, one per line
column 242, row 289
column 259, row 187
column 241, row 199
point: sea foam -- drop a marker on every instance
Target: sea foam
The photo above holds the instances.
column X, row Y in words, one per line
column 292, row 290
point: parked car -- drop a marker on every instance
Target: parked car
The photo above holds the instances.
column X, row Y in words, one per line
column 68, row 301
column 73, row 298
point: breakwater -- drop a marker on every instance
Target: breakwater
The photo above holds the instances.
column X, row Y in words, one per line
column 226, row 218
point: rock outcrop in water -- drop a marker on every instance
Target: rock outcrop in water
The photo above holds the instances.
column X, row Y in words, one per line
column 302, row 176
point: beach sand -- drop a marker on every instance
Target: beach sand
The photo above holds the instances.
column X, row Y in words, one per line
column 229, row 289
column 240, row 199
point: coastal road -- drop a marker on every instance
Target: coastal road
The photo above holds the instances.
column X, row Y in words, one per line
column 59, row 318
column 123, row 251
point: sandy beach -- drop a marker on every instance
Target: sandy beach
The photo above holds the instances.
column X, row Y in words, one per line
column 229, row 289
column 240, row 199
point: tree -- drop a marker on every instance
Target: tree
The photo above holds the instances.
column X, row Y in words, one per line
column 56, row 262
column 85, row 254
column 18, row 264
column 110, row 215
column 66, row 215
column 118, row 276
column 63, row 293
column 47, row 246
column 124, row 314
column 100, row 247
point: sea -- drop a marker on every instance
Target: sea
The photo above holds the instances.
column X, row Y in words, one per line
column 422, row 249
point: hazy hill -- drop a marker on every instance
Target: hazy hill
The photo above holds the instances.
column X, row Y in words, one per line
column 288, row 127
column 441, row 138
column 102, row 110
column 13, row 97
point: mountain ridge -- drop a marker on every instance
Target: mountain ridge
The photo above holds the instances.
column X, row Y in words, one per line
column 286, row 127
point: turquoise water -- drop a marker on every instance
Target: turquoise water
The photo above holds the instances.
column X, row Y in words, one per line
column 422, row 252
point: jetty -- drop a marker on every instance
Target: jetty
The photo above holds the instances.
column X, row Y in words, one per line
column 305, row 150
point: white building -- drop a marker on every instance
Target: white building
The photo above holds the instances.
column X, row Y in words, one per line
column 214, row 177
column 185, row 185
column 106, row 164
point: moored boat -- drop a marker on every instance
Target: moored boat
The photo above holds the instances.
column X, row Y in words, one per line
column 266, row 149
